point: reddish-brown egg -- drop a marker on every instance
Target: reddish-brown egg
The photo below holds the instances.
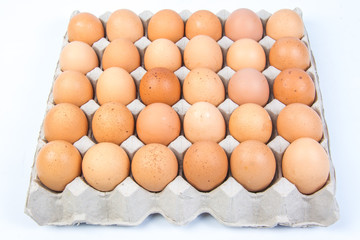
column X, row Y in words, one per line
column 124, row 23
column 72, row 87
column 248, row 85
column 158, row 123
column 159, row 85
column 112, row 122
column 298, row 120
column 57, row 164
column 306, row 164
column 205, row 165
column 154, row 166
column 289, row 52
column 85, row 27
column 166, row 24
column 203, row 22
column 65, row 121
column 122, row 53
column 253, row 165
column 294, row 85
column 285, row 23
column 243, row 23
column 105, row 165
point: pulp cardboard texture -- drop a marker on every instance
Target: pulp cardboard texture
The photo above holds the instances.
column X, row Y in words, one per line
column 230, row 203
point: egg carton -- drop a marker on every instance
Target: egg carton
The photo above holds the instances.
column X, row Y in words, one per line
column 180, row 203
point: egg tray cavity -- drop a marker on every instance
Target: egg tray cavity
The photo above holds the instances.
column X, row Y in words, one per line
column 230, row 203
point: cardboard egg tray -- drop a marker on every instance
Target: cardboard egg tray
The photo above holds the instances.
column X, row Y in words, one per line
column 180, row 203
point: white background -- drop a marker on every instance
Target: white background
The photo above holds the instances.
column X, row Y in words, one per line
column 31, row 38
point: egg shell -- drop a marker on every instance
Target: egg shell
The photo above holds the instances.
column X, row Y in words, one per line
column 57, row 164
column 124, row 23
column 205, row 165
column 65, row 121
column 112, row 122
column 154, row 166
column 105, row 165
column 85, row 27
column 203, row 22
column 285, row 23
column 159, row 85
column 253, row 165
column 115, row 84
column 306, row 164
column 298, row 120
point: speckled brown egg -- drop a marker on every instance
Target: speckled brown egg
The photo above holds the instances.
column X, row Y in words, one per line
column 306, row 164
column 78, row 56
column 205, row 165
column 154, row 166
column 112, row 122
column 57, row 164
column 115, row 84
column 285, row 23
column 158, row 123
column 253, row 165
column 203, row 85
column 105, row 165
column 167, row 24
column 243, row 23
column 204, row 122
column 124, row 23
column 294, row 85
column 162, row 53
column 72, row 87
column 122, row 53
column 250, row 121
column 246, row 53
column 85, row 27
column 248, row 85
column 298, row 120
column 159, row 85
column 65, row 121
column 203, row 22
column 203, row 51
column 289, row 52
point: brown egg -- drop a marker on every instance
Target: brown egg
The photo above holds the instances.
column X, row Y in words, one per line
column 105, row 165
column 72, row 87
column 57, row 164
column 162, row 53
column 159, row 85
column 154, row 166
column 294, row 85
column 250, row 122
column 203, row 85
column 243, row 23
column 285, row 23
column 85, row 27
column 298, row 120
column 246, row 53
column 65, row 121
column 115, row 85
column 158, row 123
column 253, row 165
column 124, row 23
column 166, row 24
column 306, row 164
column 203, row 22
column 204, row 122
column 203, row 51
column 205, row 165
column 78, row 56
column 112, row 122
column 289, row 53
column 122, row 53
column 248, row 85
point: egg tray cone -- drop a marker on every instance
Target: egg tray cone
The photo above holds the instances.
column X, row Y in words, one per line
column 180, row 203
